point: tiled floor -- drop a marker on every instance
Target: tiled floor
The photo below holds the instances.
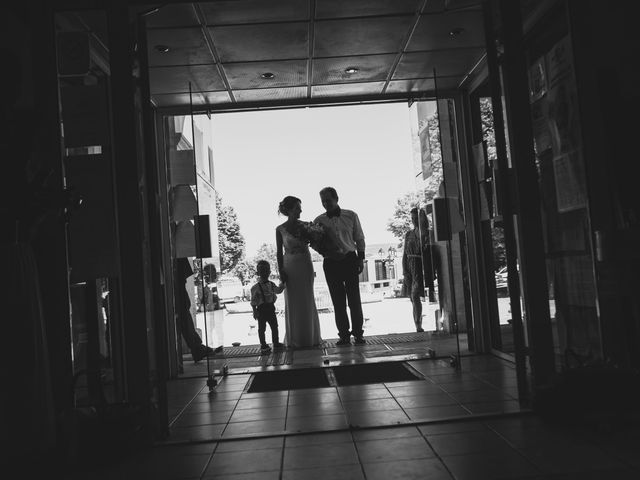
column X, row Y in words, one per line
column 483, row 385
column 429, row 429
column 513, row 447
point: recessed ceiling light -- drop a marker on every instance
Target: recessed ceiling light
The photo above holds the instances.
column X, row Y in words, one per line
column 351, row 70
column 162, row 48
column 267, row 75
column 456, row 31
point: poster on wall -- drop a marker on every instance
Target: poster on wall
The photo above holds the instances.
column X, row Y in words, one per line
column 540, row 125
column 537, row 80
column 570, row 183
column 562, row 101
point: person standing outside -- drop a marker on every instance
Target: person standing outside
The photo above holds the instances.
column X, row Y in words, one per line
column 342, row 267
column 263, row 299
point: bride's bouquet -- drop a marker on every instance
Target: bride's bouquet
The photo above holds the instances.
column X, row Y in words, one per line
column 319, row 238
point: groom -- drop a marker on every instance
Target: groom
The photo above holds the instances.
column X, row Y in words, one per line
column 342, row 268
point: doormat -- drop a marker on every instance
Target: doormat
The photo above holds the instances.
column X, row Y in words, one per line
column 288, row 380
column 375, row 373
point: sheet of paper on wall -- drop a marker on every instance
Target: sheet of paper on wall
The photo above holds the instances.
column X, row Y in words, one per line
column 570, row 182
column 537, row 80
column 562, row 101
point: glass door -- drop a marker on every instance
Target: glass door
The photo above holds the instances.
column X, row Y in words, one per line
column 194, row 256
column 440, row 307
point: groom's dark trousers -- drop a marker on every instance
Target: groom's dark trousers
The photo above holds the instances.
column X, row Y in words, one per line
column 344, row 285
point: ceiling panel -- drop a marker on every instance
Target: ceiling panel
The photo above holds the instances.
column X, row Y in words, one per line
column 446, row 63
column 365, row 36
column 434, row 32
column 278, row 41
column 370, row 68
column 423, row 85
column 270, row 94
column 176, row 79
column 173, row 15
column 348, row 89
column 362, row 8
column 187, row 46
column 255, row 11
column 199, row 98
column 286, row 74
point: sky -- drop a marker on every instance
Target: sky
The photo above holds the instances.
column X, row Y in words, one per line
column 363, row 151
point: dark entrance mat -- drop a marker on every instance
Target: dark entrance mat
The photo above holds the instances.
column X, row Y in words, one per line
column 375, row 373
column 289, row 380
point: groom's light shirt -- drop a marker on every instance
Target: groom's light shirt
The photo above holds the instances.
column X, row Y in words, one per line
column 347, row 230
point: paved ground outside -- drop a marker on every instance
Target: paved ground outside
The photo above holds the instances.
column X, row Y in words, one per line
column 391, row 315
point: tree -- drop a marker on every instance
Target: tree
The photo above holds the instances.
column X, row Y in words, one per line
column 400, row 223
column 268, row 252
column 230, row 239
column 245, row 270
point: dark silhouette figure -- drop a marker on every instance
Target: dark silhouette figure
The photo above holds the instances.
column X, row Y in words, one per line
column 342, row 267
column 263, row 299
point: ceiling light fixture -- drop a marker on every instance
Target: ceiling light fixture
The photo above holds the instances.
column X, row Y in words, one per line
column 351, row 70
column 456, row 31
column 162, row 48
column 267, row 75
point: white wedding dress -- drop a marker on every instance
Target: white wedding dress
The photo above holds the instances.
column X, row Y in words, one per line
column 301, row 316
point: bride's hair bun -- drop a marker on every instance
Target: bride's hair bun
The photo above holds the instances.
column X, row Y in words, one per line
column 287, row 203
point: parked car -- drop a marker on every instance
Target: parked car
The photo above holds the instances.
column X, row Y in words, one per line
column 230, row 289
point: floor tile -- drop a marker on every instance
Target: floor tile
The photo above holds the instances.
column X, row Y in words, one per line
column 246, row 461
column 318, row 439
column 323, row 397
column 308, row 456
column 413, row 390
column 254, row 427
column 263, row 402
column 275, row 475
column 316, row 423
column 312, row 391
column 505, row 406
column 169, row 467
column 251, row 414
column 307, row 410
column 341, row 472
column 251, row 444
column 197, row 433
column 452, row 427
column 387, row 432
column 477, row 396
column 415, row 469
column 354, row 394
column 467, row 442
column 381, row 417
column 371, row 404
column 436, row 412
column 464, row 386
column 481, row 466
column 277, row 393
column 202, row 418
column 415, row 401
column 216, row 396
column 215, row 406
column 389, row 449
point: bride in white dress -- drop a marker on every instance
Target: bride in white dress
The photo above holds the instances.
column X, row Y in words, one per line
column 296, row 270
